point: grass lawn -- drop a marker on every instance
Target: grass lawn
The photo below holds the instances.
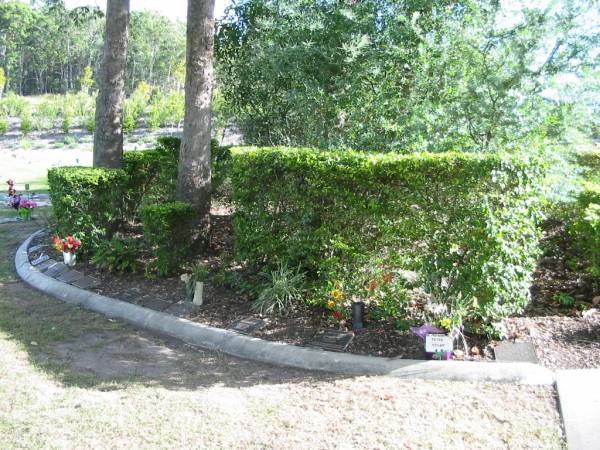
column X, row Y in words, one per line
column 70, row 378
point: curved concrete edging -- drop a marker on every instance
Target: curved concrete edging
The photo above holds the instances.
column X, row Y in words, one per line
column 277, row 353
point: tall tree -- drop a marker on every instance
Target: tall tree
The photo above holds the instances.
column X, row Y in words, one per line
column 108, row 137
column 193, row 182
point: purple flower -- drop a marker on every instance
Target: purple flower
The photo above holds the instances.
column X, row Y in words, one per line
column 426, row 329
column 15, row 201
column 27, row 204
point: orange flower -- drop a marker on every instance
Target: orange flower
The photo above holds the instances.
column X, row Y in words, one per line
column 372, row 285
column 387, row 278
column 58, row 244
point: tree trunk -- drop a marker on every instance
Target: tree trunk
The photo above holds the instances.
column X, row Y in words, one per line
column 193, row 182
column 108, row 137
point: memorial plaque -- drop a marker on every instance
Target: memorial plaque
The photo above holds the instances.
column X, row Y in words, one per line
column 70, row 276
column 438, row 343
column 57, row 270
column 40, row 259
column 153, row 303
column 248, row 325
column 181, row 309
column 45, row 265
column 86, row 282
column 515, row 352
column 35, row 248
column 336, row 341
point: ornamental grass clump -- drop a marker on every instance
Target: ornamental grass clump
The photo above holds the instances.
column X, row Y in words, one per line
column 283, row 291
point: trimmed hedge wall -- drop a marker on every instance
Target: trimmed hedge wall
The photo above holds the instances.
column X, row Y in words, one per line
column 168, row 230
column 87, row 202
column 152, row 178
column 467, row 221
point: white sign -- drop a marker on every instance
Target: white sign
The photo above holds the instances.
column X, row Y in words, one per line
column 438, row 343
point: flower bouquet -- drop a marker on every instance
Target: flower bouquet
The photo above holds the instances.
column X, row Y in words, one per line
column 26, row 208
column 68, row 246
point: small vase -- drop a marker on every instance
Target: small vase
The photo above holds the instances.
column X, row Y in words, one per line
column 25, row 213
column 198, row 291
column 69, row 258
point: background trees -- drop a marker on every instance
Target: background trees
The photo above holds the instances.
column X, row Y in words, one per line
column 108, row 136
column 45, row 49
column 398, row 75
column 194, row 175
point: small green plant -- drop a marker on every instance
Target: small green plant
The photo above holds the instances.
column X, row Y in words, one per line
column 3, row 124
column 26, row 122
column 69, row 141
column 25, row 144
column 118, row 255
column 90, row 122
column 67, row 121
column 285, row 287
column 200, row 272
column 563, row 299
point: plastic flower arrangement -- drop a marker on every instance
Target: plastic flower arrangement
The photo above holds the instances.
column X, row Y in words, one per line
column 25, row 207
column 66, row 245
column 27, row 204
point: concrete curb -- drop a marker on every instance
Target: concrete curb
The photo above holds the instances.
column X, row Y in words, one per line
column 248, row 347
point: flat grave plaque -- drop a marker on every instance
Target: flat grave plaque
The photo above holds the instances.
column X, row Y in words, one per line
column 516, row 352
column 57, row 270
column 40, row 259
column 181, row 309
column 248, row 325
column 70, row 276
column 336, row 341
column 86, row 282
column 35, row 248
column 45, row 265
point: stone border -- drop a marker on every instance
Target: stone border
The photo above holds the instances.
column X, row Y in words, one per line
column 277, row 353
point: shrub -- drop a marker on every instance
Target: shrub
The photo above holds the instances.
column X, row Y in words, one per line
column 3, row 124
column 67, row 121
column 26, row 122
column 283, row 291
column 585, row 228
column 47, row 113
column 466, row 221
column 87, row 201
column 117, row 255
column 152, row 178
column 168, row 230
column 14, row 105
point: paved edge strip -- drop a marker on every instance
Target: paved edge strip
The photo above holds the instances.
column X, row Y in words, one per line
column 277, row 353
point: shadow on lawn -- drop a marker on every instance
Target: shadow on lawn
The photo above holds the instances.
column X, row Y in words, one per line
column 81, row 348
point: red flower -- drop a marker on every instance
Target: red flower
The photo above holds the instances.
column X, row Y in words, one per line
column 372, row 285
column 337, row 315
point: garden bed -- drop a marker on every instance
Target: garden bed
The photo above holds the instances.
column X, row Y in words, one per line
column 563, row 337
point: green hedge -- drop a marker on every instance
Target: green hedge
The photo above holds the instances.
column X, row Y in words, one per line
column 168, row 230
column 467, row 221
column 585, row 227
column 152, row 178
column 87, row 202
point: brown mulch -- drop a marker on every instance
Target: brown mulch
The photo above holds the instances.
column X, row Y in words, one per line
column 563, row 337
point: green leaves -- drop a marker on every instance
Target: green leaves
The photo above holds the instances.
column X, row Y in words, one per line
column 467, row 220
column 87, row 202
column 168, row 230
